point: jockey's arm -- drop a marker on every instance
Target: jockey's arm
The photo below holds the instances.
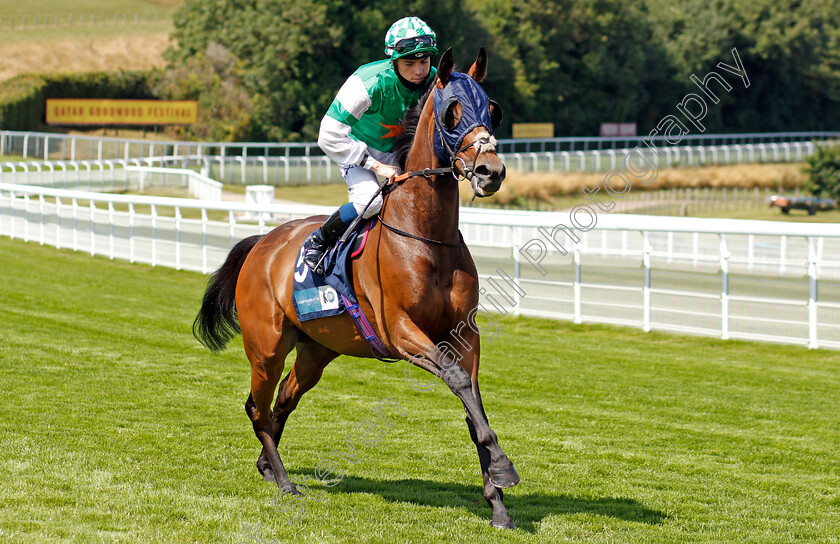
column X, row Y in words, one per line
column 334, row 139
column 351, row 102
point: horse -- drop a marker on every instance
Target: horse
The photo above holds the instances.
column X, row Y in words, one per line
column 415, row 281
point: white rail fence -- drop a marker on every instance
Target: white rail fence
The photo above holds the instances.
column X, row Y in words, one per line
column 113, row 175
column 769, row 281
column 304, row 163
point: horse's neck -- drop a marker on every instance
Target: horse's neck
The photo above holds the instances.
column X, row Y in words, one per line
column 428, row 208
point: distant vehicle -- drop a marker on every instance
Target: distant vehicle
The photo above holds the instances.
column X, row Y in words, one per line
column 810, row 203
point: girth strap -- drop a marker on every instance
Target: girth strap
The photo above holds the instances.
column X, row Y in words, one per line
column 379, row 350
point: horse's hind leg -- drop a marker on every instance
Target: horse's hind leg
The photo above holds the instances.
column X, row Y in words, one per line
column 309, row 365
column 267, row 359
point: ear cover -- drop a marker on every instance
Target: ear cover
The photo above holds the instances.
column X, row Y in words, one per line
column 475, row 112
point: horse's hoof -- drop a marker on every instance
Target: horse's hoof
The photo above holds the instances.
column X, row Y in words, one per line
column 291, row 490
column 503, row 477
column 510, row 525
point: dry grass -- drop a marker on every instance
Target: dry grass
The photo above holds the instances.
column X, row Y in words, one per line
column 546, row 187
column 139, row 51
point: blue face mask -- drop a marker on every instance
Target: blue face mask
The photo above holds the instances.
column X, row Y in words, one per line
column 475, row 112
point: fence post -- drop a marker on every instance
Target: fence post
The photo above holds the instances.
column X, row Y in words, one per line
column 177, row 238
column 695, row 242
column 724, row 288
column 750, row 251
column 111, row 231
column 131, row 232
column 576, row 255
column 92, row 229
column 670, row 247
column 646, row 251
column 812, row 293
column 75, row 225
column 517, row 272
column 782, row 254
column 204, row 240
column 154, row 234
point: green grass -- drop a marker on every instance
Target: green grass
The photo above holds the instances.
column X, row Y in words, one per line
column 82, row 32
column 13, row 158
column 774, row 214
column 30, row 8
column 48, row 19
column 117, row 426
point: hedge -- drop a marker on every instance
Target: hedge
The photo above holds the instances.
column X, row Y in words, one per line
column 23, row 98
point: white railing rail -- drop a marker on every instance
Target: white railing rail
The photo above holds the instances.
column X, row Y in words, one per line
column 770, row 281
column 305, row 163
column 199, row 185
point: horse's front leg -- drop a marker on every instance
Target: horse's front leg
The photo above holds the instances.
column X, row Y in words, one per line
column 497, row 470
column 469, row 359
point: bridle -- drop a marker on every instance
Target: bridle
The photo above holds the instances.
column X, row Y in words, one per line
column 453, row 157
column 392, row 183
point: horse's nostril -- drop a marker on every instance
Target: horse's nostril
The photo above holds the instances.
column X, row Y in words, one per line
column 482, row 170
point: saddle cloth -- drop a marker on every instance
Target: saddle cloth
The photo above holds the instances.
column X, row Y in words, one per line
column 317, row 296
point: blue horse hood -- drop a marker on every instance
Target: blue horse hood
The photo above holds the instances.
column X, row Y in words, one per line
column 475, row 112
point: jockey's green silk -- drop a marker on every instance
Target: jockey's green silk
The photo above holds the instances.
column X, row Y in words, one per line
column 387, row 100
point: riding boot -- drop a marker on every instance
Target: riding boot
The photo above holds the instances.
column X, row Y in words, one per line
column 321, row 240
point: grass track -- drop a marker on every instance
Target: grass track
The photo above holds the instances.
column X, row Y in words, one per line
column 116, row 426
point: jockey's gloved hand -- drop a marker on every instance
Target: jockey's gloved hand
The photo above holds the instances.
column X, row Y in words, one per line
column 384, row 170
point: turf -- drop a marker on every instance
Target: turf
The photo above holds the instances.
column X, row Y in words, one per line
column 38, row 20
column 117, row 426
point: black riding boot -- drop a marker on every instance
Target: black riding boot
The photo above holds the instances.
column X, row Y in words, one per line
column 321, row 240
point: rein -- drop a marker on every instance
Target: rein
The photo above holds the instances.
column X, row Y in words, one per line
column 392, row 184
column 389, row 185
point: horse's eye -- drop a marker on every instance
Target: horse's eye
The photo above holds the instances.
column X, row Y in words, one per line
column 495, row 114
column 452, row 114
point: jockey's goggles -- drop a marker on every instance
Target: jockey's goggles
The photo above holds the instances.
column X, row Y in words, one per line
column 407, row 45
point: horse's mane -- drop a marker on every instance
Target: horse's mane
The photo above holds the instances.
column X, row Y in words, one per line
column 403, row 141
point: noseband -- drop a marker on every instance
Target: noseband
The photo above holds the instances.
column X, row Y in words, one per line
column 454, row 158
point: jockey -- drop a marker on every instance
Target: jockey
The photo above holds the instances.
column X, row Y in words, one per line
column 359, row 128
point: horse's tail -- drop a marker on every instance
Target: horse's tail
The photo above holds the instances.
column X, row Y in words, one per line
column 216, row 322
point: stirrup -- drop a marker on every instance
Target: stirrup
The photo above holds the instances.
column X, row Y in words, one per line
column 314, row 250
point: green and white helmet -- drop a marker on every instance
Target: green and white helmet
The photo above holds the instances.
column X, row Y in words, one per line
column 410, row 37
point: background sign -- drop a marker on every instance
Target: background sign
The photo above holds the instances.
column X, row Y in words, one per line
column 84, row 111
column 618, row 130
column 533, row 130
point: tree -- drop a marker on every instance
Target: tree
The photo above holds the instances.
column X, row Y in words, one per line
column 214, row 79
column 824, row 172
column 576, row 63
column 579, row 63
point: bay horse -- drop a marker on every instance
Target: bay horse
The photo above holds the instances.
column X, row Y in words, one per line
column 418, row 291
